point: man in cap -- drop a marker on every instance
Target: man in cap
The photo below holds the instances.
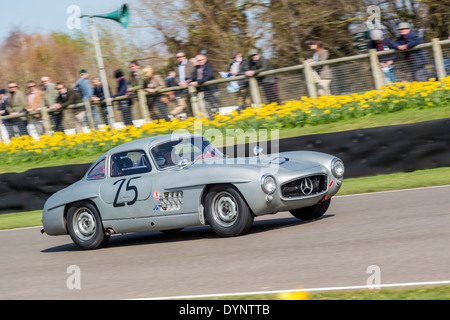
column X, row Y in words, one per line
column 380, row 43
column 84, row 89
column 257, row 64
column 416, row 59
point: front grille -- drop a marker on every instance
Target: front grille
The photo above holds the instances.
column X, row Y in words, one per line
column 305, row 187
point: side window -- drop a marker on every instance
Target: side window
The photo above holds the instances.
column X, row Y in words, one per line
column 98, row 171
column 131, row 162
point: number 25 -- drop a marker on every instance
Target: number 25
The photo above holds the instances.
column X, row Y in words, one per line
column 128, row 188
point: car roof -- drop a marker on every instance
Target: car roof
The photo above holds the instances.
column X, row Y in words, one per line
column 151, row 141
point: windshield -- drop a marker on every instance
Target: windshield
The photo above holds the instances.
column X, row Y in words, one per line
column 168, row 154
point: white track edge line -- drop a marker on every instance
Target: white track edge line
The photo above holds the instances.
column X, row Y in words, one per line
column 379, row 286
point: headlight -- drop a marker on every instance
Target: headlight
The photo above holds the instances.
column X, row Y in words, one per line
column 337, row 168
column 268, row 183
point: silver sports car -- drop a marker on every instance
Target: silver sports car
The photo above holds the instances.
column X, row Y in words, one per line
column 175, row 181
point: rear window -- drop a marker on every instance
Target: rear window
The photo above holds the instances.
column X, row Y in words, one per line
column 130, row 162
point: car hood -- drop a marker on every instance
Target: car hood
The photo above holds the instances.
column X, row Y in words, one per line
column 289, row 161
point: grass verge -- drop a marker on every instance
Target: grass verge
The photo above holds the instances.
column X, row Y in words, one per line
column 441, row 292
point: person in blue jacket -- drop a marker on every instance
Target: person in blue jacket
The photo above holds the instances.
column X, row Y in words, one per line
column 204, row 72
column 417, row 58
column 124, row 105
column 387, row 62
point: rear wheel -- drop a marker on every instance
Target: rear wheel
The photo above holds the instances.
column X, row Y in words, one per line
column 85, row 226
column 313, row 212
column 227, row 212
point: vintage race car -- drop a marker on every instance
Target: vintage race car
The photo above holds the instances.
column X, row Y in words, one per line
column 181, row 180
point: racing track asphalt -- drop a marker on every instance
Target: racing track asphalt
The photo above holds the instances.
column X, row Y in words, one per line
column 404, row 233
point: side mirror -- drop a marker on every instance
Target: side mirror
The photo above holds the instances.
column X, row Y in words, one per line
column 183, row 163
column 257, row 150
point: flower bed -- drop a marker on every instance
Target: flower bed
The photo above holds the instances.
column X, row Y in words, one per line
column 307, row 111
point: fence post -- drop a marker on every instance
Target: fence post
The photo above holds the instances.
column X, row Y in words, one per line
column 194, row 100
column 46, row 120
column 90, row 117
column 307, row 69
column 142, row 101
column 438, row 58
column 254, row 91
column 377, row 74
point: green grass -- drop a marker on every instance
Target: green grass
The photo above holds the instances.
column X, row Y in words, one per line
column 20, row 220
column 397, row 181
column 441, row 292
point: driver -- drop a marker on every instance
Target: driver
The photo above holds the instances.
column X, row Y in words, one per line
column 167, row 154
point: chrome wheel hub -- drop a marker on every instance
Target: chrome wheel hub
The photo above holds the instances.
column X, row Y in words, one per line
column 84, row 223
column 225, row 209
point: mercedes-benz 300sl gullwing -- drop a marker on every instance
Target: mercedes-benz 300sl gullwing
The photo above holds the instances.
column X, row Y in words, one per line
column 176, row 181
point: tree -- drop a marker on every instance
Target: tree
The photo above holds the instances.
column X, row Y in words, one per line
column 220, row 27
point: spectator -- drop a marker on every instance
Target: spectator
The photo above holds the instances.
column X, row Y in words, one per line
column 15, row 105
column 381, row 43
column 170, row 81
column 257, row 64
column 65, row 98
column 205, row 72
column 237, row 68
column 175, row 111
column 84, row 89
column 136, row 76
column 152, row 84
column 183, row 70
column 34, row 103
column 49, row 92
column 122, row 90
column 417, row 58
column 3, row 99
column 99, row 96
column 323, row 76
column 4, row 112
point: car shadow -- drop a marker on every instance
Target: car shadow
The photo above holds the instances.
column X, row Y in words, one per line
column 187, row 234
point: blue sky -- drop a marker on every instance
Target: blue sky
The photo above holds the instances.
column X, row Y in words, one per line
column 46, row 16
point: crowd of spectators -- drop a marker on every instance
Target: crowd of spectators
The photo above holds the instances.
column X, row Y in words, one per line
column 187, row 72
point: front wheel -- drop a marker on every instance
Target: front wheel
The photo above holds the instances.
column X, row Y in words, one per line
column 85, row 226
column 227, row 212
column 313, row 212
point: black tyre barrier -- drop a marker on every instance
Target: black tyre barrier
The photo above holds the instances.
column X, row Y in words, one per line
column 365, row 152
column 374, row 151
column 29, row 190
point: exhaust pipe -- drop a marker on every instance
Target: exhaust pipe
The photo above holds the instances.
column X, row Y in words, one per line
column 109, row 231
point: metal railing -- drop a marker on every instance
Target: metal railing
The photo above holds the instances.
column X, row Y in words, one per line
column 352, row 74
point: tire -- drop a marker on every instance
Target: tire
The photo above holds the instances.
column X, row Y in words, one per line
column 85, row 226
column 226, row 211
column 313, row 212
